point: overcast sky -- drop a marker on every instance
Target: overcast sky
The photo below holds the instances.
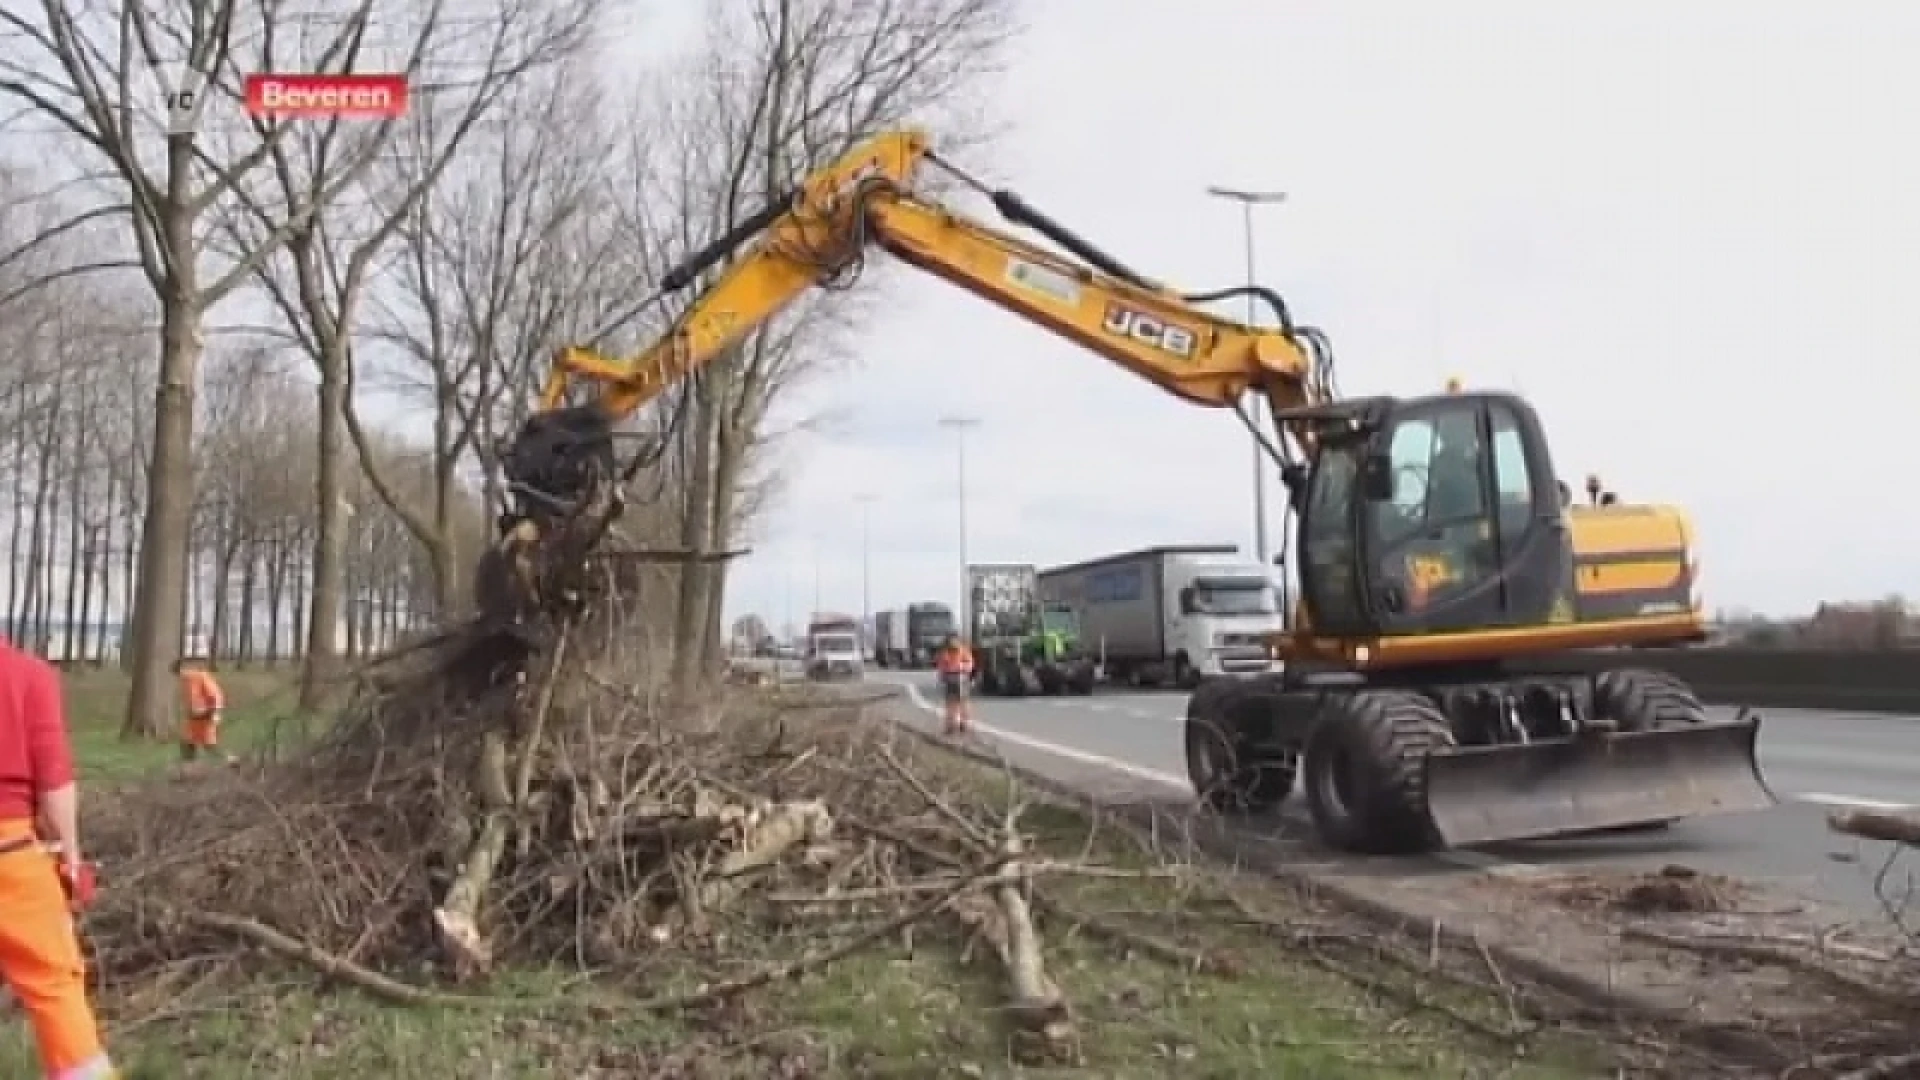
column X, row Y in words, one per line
column 1687, row 231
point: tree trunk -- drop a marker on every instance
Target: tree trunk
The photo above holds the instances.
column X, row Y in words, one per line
column 129, row 575
column 160, row 594
column 82, row 618
column 220, row 638
column 330, row 537
column 249, row 594
column 690, row 610
column 729, row 444
column 276, row 593
column 16, row 533
column 73, row 647
column 40, row 539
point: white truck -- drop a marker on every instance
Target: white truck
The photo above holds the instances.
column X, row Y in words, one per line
column 833, row 647
column 1171, row 614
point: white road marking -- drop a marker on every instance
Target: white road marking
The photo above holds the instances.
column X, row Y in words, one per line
column 1155, row 776
column 1849, row 802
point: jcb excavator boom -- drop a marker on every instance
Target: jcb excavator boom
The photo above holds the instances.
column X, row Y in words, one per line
column 1433, row 544
column 866, row 199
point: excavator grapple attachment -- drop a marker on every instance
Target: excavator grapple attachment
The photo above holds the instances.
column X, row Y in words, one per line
column 1531, row 791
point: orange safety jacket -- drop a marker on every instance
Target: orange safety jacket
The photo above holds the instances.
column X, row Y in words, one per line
column 955, row 661
column 202, row 691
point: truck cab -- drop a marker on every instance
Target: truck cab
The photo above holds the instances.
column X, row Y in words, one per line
column 833, row 649
column 1223, row 612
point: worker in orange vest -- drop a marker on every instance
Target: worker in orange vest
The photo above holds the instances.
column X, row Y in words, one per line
column 955, row 667
column 44, row 879
column 205, row 701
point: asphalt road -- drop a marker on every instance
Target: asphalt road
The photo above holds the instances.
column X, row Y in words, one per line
column 1127, row 741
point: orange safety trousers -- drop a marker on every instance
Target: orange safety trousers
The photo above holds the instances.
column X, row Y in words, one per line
column 203, row 731
column 40, row 959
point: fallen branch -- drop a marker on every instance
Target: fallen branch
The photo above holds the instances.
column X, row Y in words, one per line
column 1886, row 1068
column 1044, row 1030
column 1759, row 952
column 813, row 961
column 335, row 967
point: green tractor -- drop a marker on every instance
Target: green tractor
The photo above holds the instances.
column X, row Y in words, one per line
column 1021, row 647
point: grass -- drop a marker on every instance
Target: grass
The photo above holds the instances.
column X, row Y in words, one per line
column 922, row 1010
column 262, row 710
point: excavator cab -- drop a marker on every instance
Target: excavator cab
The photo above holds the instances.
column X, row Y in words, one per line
column 1432, row 515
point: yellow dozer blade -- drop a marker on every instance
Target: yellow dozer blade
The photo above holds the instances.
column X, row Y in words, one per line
column 1486, row 794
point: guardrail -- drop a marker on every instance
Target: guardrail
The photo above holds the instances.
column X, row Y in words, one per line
column 1885, row 681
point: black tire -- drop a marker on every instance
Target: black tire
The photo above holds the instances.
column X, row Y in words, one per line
column 1646, row 699
column 1185, row 675
column 1226, row 776
column 1053, row 681
column 1081, row 683
column 1366, row 776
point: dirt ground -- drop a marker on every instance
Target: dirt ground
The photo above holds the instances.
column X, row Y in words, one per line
column 1747, row 981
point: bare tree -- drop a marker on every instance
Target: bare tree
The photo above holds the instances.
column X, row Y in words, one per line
column 331, row 254
column 782, row 87
column 112, row 82
column 509, row 254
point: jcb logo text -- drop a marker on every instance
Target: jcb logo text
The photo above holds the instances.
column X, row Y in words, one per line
column 1144, row 328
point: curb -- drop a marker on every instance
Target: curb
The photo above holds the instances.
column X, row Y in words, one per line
column 1591, row 992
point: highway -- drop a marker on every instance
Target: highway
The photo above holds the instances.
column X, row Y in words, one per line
column 1127, row 743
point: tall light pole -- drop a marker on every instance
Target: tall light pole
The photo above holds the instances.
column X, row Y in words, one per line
column 1248, row 200
column 866, row 502
column 816, row 577
column 960, row 424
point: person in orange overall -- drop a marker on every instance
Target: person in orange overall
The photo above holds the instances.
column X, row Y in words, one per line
column 44, row 879
column 205, row 702
column 955, row 667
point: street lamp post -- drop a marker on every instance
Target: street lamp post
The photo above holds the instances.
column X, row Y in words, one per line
column 816, row 578
column 960, row 424
column 866, row 560
column 1248, row 200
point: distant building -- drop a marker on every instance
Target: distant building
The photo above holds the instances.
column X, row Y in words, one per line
column 1888, row 624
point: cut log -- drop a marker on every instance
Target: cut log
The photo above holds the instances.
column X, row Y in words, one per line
column 1892, row 826
column 1043, row 1025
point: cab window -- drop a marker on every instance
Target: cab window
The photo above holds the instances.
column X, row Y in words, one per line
column 1510, row 476
column 1432, row 537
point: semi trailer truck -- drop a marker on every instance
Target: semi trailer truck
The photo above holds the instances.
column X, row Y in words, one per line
column 892, row 648
column 928, row 626
column 1171, row 614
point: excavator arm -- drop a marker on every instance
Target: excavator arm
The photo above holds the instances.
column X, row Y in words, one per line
column 562, row 471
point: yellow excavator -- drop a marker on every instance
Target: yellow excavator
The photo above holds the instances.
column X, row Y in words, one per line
column 1441, row 565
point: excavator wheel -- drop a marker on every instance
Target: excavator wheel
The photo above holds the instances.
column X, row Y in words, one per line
column 1228, row 775
column 1646, row 699
column 1365, row 763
